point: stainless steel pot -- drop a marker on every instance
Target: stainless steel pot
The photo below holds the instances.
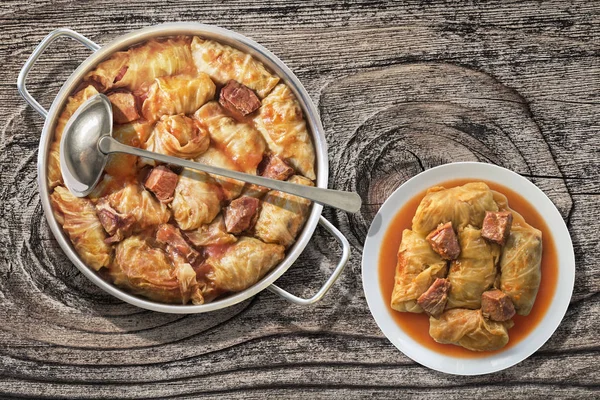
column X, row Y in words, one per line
column 224, row 36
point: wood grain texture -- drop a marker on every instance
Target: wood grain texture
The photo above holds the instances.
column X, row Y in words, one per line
column 401, row 87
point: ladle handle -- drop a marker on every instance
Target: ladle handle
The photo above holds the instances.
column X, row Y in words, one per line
column 347, row 201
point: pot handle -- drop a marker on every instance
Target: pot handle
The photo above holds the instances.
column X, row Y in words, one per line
column 336, row 272
column 52, row 36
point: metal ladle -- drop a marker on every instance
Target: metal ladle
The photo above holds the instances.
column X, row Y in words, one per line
column 87, row 141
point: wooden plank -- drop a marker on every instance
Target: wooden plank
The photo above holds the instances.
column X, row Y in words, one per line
column 400, row 87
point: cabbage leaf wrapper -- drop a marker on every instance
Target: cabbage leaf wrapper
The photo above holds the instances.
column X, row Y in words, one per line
column 418, row 266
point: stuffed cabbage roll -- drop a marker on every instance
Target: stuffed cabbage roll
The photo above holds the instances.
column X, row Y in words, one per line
column 124, row 166
column 520, row 267
column 73, row 103
column 178, row 136
column 211, row 234
column 197, row 199
column 215, row 157
column 239, row 141
column 172, row 95
column 469, row 329
column 235, row 267
column 147, row 271
column 132, row 68
column 54, row 172
column 134, row 200
column 282, row 215
column 188, row 284
column 520, row 262
column 474, row 271
column 281, row 123
column 417, row 268
column 223, row 63
column 461, row 205
column 79, row 220
column 186, row 277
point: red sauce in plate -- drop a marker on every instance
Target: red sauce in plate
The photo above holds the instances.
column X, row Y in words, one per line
column 417, row 325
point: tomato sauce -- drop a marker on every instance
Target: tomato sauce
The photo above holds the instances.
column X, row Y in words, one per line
column 417, row 325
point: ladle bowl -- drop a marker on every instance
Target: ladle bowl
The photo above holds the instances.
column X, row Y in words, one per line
column 81, row 161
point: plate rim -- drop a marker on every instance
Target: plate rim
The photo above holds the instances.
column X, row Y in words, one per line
column 476, row 365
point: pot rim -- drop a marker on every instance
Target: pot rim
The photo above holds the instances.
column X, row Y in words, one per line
column 224, row 36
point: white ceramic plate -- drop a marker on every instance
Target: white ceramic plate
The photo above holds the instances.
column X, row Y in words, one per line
column 503, row 359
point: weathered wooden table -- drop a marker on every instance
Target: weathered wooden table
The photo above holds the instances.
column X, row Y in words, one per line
column 401, row 88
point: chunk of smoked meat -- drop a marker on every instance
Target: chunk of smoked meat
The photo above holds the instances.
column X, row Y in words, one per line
column 170, row 235
column 433, row 301
column 443, row 241
column 124, row 107
column 238, row 98
column 115, row 224
column 274, row 167
column 497, row 306
column 496, row 226
column 271, row 167
column 162, row 182
column 241, row 214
